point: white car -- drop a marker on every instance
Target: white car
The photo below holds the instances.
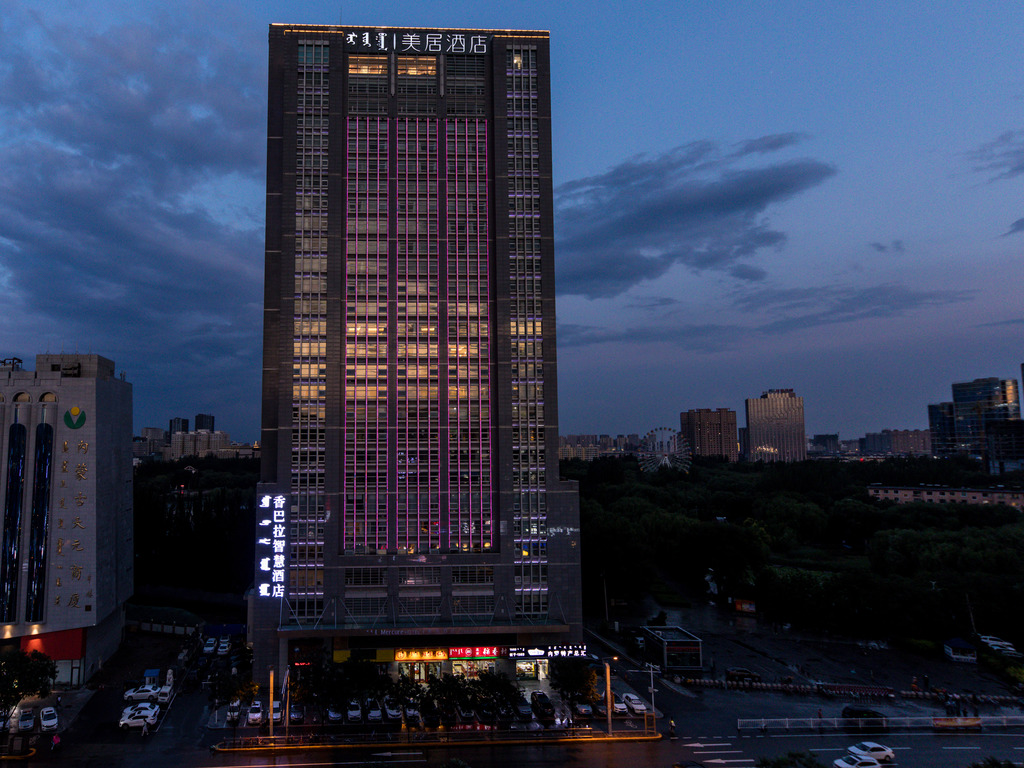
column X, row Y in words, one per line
column 142, row 693
column 989, row 639
column 618, row 705
column 255, row 716
column 146, row 707
column 48, row 719
column 880, row 752
column 373, row 712
column 224, row 648
column 354, row 713
column 633, row 702
column 276, row 711
column 210, row 646
column 851, row 761
column 137, row 717
column 391, row 709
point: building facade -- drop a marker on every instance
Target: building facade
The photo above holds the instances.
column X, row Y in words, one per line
column 775, row 427
column 66, row 568
column 410, row 422
column 204, row 422
column 961, row 427
column 710, row 432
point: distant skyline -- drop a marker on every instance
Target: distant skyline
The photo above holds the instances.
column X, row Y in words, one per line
column 750, row 196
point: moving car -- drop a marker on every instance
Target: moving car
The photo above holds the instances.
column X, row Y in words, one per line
column 633, row 702
column 142, row 693
column 852, row 761
column 255, row 716
column 48, row 719
column 138, row 716
column 873, row 749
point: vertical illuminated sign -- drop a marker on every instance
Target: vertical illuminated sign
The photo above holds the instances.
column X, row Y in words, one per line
column 271, row 525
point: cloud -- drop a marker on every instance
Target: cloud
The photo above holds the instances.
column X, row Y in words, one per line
column 1016, row 228
column 799, row 308
column 895, row 245
column 1003, row 156
column 689, row 206
column 130, row 195
column 771, row 311
column 766, row 144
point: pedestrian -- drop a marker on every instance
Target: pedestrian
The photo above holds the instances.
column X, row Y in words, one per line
column 55, row 743
column 671, row 729
column 58, row 701
column 145, row 730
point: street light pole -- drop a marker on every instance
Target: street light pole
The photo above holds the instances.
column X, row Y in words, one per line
column 608, row 694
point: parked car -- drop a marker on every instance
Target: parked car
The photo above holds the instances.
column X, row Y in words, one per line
column 26, row 719
column 412, row 715
column 210, row 646
column 234, row 711
column 354, row 713
column 852, row 761
column 224, row 647
column 276, row 711
column 542, row 706
column 296, row 713
column 873, row 749
column 523, row 709
column 466, row 713
column 430, row 714
column 742, row 675
column 48, row 719
column 863, row 719
column 142, row 693
column 391, row 709
column 255, row 716
column 139, row 716
column 335, row 714
column 583, row 710
column 634, row 703
column 486, row 711
column 618, row 705
column 373, row 712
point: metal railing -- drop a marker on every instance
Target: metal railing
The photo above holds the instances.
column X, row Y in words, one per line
column 875, row 724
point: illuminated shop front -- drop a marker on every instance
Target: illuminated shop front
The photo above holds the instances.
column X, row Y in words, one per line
column 421, row 663
column 470, row 661
column 532, row 663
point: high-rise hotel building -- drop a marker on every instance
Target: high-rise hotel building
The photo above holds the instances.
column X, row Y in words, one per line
column 411, row 511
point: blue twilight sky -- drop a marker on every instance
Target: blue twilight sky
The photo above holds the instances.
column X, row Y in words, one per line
column 749, row 195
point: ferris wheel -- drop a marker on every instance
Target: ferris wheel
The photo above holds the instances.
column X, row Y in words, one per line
column 664, row 447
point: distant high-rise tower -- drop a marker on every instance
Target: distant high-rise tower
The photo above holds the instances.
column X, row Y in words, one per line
column 204, row 421
column 775, row 427
column 710, row 433
column 414, row 515
column 962, row 426
column 178, row 424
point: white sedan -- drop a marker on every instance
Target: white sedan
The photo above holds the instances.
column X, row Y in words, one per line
column 255, row 716
column 852, row 761
column 48, row 719
column 142, row 693
column 137, row 717
column 880, row 752
column 636, row 706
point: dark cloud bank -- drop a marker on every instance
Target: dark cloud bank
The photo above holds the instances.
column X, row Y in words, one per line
column 691, row 206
